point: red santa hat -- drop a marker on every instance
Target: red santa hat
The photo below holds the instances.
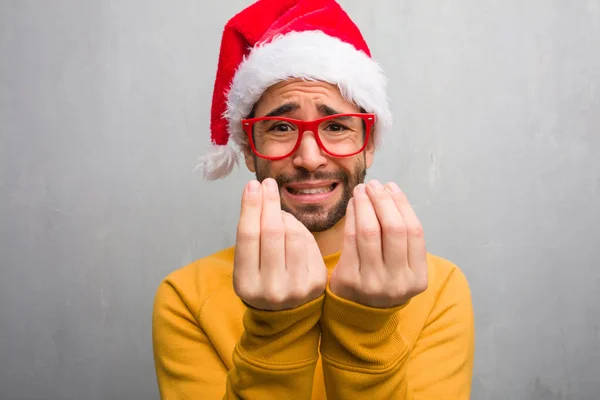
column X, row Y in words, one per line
column 275, row 40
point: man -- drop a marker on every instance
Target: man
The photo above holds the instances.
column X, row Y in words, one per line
column 328, row 291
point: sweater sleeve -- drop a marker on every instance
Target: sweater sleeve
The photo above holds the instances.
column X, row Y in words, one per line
column 366, row 357
column 275, row 357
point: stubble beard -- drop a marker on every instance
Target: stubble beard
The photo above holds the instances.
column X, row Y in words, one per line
column 315, row 217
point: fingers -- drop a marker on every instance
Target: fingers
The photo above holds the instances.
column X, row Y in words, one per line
column 393, row 227
column 350, row 250
column 416, row 249
column 295, row 241
column 368, row 231
column 277, row 263
column 344, row 280
column 295, row 253
column 384, row 234
column 247, row 247
column 272, row 231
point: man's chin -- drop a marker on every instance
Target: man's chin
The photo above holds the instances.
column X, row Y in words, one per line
column 316, row 224
column 315, row 218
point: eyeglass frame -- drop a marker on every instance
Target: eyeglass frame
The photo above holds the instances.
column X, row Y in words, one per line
column 313, row 126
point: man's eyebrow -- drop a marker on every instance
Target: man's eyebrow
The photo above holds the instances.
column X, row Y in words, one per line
column 283, row 109
column 326, row 110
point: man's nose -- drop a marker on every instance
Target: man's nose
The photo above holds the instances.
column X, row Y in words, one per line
column 309, row 155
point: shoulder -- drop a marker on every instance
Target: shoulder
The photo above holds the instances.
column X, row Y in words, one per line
column 197, row 281
column 448, row 292
column 444, row 275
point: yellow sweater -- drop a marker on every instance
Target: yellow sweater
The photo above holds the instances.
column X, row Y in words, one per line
column 209, row 345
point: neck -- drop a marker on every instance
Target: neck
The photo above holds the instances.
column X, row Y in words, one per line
column 331, row 240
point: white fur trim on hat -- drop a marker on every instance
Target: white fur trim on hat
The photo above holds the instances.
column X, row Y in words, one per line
column 218, row 162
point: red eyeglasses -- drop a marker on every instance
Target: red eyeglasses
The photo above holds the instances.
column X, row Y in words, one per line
column 340, row 135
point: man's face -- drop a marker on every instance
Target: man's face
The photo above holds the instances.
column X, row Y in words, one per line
column 314, row 186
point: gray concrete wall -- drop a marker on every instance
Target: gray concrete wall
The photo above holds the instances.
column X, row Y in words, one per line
column 104, row 106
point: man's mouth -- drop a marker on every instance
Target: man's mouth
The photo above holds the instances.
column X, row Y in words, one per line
column 303, row 191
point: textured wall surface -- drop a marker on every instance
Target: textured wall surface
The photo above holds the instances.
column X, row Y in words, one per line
column 104, row 107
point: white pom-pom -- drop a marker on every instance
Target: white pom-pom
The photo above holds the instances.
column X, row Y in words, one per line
column 218, row 162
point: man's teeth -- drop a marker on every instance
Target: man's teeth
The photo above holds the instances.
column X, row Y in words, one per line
column 324, row 189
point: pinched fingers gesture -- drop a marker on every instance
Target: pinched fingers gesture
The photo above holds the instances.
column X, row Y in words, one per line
column 277, row 262
column 383, row 262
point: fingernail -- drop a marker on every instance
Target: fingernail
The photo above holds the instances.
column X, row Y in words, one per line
column 271, row 184
column 253, row 187
column 393, row 187
column 360, row 189
column 375, row 184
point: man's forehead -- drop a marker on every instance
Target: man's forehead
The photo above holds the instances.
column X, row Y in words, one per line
column 300, row 90
column 289, row 107
column 302, row 81
column 293, row 94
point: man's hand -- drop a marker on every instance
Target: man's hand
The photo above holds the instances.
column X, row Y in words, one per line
column 277, row 262
column 383, row 262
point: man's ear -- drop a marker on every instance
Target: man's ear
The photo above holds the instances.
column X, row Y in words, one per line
column 250, row 159
column 370, row 149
